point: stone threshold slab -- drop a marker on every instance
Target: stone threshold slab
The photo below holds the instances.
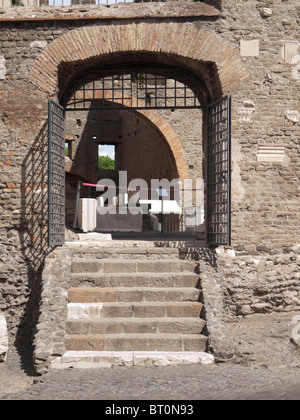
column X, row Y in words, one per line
column 108, row 359
column 94, row 243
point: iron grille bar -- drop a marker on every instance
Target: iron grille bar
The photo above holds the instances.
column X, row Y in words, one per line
column 56, row 174
column 219, row 172
column 138, row 87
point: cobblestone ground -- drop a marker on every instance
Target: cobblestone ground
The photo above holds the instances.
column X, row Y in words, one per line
column 267, row 367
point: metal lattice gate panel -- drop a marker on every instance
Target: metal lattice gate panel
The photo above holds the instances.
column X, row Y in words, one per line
column 135, row 86
column 219, row 172
column 56, row 174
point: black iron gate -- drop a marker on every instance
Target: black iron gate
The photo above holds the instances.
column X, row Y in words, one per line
column 218, row 214
column 56, row 174
column 91, row 93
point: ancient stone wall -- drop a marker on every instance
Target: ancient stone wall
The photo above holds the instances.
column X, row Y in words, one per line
column 262, row 283
column 265, row 138
column 265, row 149
column 23, row 196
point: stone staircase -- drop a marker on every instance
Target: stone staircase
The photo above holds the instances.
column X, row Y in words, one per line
column 134, row 300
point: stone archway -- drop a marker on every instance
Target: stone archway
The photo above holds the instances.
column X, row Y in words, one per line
column 185, row 44
column 211, row 59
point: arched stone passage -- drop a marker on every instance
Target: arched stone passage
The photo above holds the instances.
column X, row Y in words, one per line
column 165, row 148
column 184, row 44
column 163, row 127
column 172, row 140
column 205, row 54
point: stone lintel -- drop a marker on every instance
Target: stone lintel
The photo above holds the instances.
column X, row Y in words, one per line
column 101, row 12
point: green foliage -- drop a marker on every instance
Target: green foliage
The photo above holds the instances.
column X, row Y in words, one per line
column 17, row 3
column 106, row 163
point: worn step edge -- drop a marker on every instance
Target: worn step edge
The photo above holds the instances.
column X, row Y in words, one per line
column 93, row 275
column 130, row 294
column 97, row 245
column 110, row 265
column 184, row 279
column 109, row 359
column 138, row 310
column 108, row 259
column 136, row 342
column 136, row 325
column 126, row 250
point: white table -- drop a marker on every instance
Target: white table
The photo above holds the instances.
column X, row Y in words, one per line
column 162, row 206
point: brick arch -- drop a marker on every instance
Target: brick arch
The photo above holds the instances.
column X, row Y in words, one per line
column 159, row 124
column 80, row 47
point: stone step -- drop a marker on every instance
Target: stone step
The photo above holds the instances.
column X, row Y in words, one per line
column 185, row 245
column 135, row 326
column 135, row 310
column 109, row 359
column 135, row 280
column 83, row 265
column 128, row 252
column 134, row 300
column 137, row 342
column 129, row 294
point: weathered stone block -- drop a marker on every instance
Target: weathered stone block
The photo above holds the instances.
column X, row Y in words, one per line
column 266, row 12
column 184, row 309
column 250, row 48
column 85, row 342
column 3, row 339
column 92, row 295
